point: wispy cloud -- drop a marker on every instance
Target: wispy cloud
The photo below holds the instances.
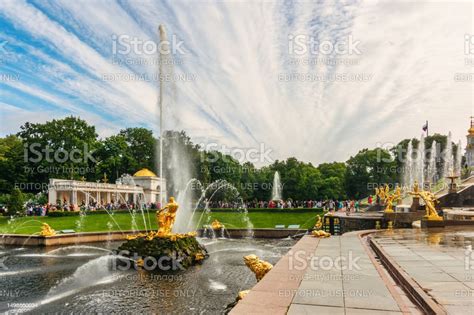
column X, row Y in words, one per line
column 235, row 56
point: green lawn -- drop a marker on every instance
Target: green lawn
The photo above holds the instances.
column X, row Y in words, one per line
column 122, row 221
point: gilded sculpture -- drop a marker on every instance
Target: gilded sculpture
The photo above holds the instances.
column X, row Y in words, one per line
column 166, row 216
column 259, row 267
column 430, row 203
column 389, row 198
column 46, row 230
column 216, row 225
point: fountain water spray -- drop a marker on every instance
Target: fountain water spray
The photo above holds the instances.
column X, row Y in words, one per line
column 431, row 175
column 448, row 168
column 408, row 167
column 276, row 189
column 458, row 162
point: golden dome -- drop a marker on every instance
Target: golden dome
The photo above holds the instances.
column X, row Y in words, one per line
column 144, row 172
column 471, row 131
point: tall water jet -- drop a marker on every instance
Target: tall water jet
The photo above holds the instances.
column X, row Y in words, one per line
column 276, row 189
column 161, row 30
column 408, row 167
column 420, row 162
column 431, row 175
column 458, row 161
column 177, row 157
column 448, row 166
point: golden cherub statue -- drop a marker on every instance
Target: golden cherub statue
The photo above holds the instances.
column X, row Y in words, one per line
column 216, row 225
column 430, row 203
column 166, row 217
column 46, row 230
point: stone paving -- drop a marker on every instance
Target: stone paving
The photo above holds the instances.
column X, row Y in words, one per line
column 439, row 261
column 322, row 276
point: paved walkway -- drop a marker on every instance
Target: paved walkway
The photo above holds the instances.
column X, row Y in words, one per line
column 437, row 260
column 313, row 279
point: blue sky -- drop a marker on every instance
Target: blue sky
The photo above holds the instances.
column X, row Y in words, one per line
column 232, row 63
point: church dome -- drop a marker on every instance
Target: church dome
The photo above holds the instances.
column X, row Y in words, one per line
column 471, row 131
column 144, row 172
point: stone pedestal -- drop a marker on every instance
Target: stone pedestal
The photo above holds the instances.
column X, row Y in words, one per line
column 415, row 206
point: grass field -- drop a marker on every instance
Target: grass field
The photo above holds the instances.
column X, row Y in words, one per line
column 122, row 221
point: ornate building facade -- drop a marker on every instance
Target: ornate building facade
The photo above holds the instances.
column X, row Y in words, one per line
column 143, row 187
column 470, row 147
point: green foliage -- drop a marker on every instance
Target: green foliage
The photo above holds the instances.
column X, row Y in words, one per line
column 125, row 153
column 11, row 163
column 61, row 148
column 16, row 203
column 368, row 169
column 134, row 148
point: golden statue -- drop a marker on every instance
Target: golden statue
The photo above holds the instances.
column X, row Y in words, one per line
column 390, row 225
column 320, row 233
column 390, row 198
column 382, row 192
column 416, row 187
column 46, row 230
column 216, row 225
column 166, row 217
column 319, row 223
column 430, row 203
column 258, row 267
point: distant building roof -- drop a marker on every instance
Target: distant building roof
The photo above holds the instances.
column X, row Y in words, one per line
column 144, row 172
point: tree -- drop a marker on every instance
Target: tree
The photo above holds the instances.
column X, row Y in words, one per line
column 16, row 202
column 61, row 148
column 12, row 165
column 369, row 169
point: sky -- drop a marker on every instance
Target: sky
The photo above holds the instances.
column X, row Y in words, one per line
column 317, row 80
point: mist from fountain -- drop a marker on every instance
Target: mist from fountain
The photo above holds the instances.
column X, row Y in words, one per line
column 408, row 178
column 420, row 162
column 458, row 161
column 448, row 167
column 276, row 189
column 431, row 173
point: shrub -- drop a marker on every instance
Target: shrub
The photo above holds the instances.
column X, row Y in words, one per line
column 16, row 203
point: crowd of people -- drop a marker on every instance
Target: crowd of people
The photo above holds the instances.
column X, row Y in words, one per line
column 43, row 210
column 327, row 205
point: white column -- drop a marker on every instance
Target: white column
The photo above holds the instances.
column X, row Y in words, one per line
column 52, row 195
column 74, row 197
